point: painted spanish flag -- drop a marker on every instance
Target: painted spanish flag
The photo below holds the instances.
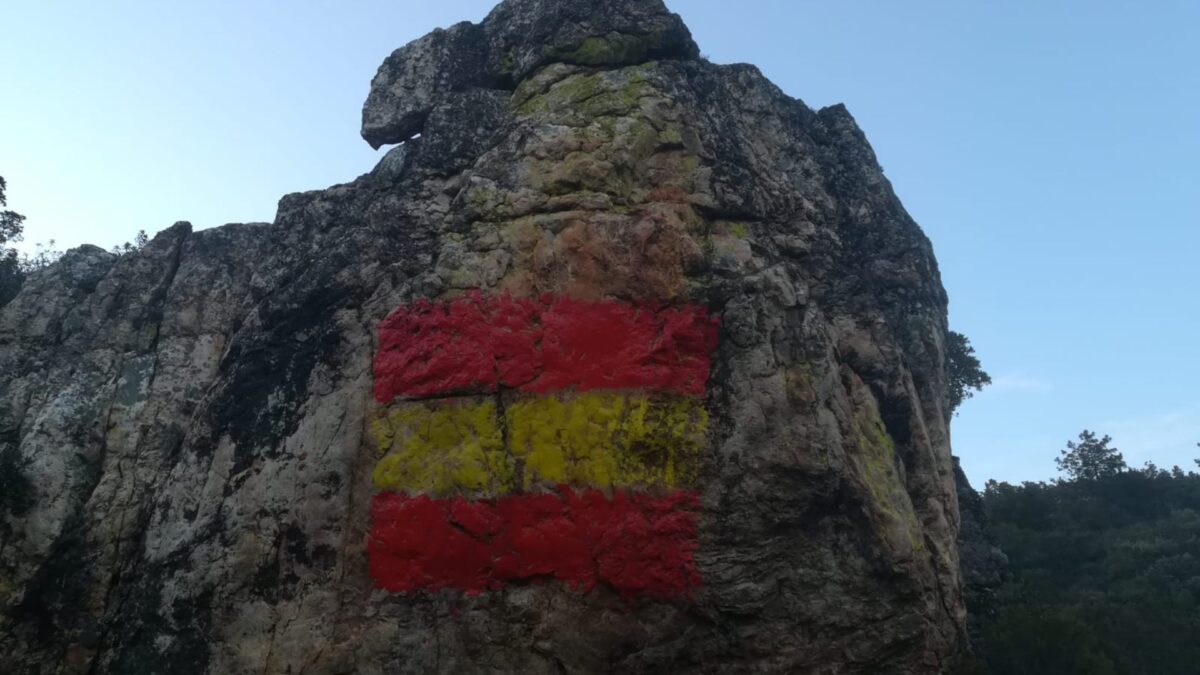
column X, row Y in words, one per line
column 527, row 439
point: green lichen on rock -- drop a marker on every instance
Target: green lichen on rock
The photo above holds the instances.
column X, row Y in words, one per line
column 611, row 49
column 672, row 135
column 585, row 172
column 586, row 94
column 608, row 135
column 487, row 203
column 877, row 454
column 799, row 383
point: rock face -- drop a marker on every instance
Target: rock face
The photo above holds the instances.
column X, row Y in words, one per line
column 621, row 362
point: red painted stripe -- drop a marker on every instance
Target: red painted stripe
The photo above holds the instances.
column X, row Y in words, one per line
column 638, row 544
column 477, row 343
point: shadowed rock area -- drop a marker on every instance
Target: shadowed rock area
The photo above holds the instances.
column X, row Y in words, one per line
column 984, row 566
column 188, row 433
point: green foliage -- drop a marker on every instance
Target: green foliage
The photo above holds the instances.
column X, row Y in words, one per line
column 45, row 256
column 139, row 241
column 11, row 229
column 1038, row 641
column 14, row 267
column 964, row 373
column 10, row 221
column 1091, row 458
column 11, row 276
column 1105, row 574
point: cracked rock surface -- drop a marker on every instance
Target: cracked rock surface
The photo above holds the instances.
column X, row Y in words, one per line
column 185, row 460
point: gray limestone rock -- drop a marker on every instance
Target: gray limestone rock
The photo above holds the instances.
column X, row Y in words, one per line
column 186, row 432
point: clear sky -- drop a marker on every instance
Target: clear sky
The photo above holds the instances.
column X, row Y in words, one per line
column 1051, row 151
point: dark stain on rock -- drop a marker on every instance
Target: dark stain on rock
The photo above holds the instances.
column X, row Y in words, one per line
column 16, row 492
column 296, row 543
column 149, row 642
column 269, row 368
column 53, row 600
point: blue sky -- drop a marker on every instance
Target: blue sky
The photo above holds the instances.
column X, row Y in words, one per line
column 1049, row 149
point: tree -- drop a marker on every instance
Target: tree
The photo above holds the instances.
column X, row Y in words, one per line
column 11, row 228
column 1032, row 641
column 139, row 242
column 964, row 373
column 44, row 256
column 1091, row 458
column 1104, row 575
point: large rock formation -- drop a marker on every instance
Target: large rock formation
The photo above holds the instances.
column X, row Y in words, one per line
column 660, row 389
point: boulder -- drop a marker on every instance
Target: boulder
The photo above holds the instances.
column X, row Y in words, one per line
column 623, row 361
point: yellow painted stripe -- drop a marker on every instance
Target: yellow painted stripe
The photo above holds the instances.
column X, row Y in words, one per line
column 440, row 448
column 595, row 439
column 607, row 440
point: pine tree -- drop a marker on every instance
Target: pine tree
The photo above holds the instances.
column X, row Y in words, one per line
column 1091, row 458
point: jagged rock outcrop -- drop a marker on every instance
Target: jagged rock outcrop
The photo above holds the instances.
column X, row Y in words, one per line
column 192, row 435
column 516, row 39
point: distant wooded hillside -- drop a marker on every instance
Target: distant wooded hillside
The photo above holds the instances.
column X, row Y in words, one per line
column 1105, row 574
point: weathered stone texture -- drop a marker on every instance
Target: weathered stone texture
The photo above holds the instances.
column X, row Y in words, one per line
column 185, row 431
